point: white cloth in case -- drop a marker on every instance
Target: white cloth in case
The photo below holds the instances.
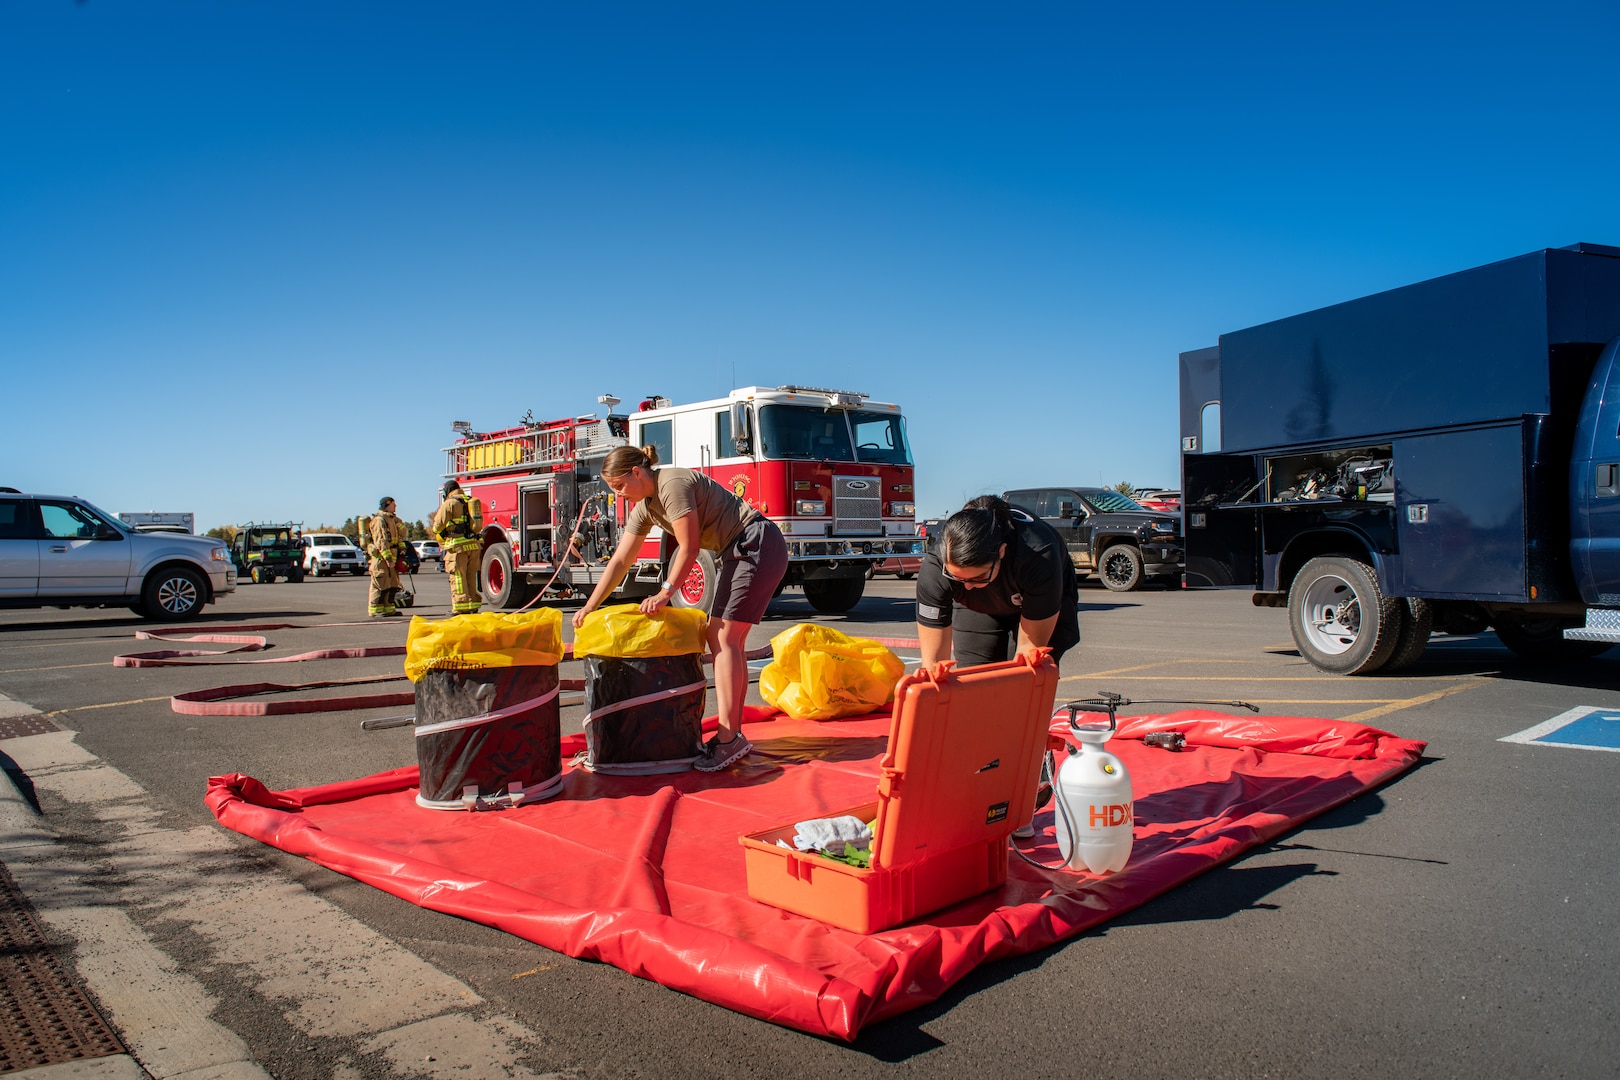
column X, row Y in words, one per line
column 832, row 834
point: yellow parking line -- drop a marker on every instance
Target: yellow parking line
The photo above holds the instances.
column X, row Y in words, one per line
column 1115, row 671
column 1407, row 703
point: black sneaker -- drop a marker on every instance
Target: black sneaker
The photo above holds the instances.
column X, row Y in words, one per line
column 718, row 755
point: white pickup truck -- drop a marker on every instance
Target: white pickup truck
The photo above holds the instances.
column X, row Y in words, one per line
column 331, row 553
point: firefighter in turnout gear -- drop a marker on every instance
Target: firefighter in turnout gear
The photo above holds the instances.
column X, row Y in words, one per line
column 459, row 526
column 385, row 544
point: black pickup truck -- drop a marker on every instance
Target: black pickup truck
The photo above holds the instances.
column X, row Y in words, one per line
column 1108, row 533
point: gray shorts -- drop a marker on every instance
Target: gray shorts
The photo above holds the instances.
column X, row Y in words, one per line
column 751, row 567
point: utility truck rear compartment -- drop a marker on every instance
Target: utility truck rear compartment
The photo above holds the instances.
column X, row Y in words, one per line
column 1426, row 458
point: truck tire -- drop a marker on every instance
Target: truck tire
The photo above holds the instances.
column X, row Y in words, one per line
column 172, row 593
column 1120, row 568
column 503, row 589
column 296, row 574
column 1414, row 635
column 697, row 591
column 1541, row 639
column 1340, row 619
column 833, row 596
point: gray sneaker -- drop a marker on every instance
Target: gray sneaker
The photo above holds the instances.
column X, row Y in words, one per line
column 718, row 755
column 1024, row 832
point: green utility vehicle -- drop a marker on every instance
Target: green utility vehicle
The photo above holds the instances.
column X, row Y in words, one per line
column 264, row 551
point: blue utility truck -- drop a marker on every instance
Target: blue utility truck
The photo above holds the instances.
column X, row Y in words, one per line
column 1439, row 457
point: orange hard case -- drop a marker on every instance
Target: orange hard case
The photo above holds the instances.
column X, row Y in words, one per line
column 963, row 759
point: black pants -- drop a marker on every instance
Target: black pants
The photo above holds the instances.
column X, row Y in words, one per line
column 985, row 639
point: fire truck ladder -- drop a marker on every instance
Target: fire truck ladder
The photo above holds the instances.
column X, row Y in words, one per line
column 497, row 453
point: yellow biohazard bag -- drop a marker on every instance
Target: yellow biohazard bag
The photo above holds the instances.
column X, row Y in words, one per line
column 490, row 639
column 821, row 674
column 623, row 631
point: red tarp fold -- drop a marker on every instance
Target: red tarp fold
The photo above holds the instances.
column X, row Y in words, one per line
column 645, row 873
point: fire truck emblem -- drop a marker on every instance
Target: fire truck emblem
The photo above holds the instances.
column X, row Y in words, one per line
column 739, row 485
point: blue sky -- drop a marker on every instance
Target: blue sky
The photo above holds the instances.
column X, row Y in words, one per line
column 255, row 258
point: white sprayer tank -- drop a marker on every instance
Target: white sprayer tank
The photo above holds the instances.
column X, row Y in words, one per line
column 1092, row 806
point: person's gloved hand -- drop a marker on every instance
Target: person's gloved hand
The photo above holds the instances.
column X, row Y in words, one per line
column 401, row 568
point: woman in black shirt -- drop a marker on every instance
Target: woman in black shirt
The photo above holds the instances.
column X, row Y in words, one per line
column 998, row 576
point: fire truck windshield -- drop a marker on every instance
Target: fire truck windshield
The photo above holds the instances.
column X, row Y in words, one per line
column 797, row 431
column 880, row 437
column 794, row 431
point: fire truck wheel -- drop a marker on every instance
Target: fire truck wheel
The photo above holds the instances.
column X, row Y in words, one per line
column 503, row 590
column 697, row 591
column 835, row 596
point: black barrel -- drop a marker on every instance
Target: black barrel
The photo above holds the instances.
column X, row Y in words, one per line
column 643, row 714
column 488, row 738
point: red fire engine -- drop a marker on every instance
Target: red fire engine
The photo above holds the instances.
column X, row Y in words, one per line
column 830, row 467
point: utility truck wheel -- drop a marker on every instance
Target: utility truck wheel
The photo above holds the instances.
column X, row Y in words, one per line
column 1120, row 568
column 503, row 590
column 697, row 591
column 173, row 593
column 1416, row 626
column 1340, row 619
column 834, row 596
column 1543, row 639
column 296, row 575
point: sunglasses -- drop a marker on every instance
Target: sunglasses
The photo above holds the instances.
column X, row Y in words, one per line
column 982, row 579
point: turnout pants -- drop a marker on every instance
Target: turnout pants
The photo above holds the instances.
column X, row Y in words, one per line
column 462, row 566
column 384, row 587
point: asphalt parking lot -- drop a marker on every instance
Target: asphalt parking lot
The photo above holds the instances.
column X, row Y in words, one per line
column 1460, row 920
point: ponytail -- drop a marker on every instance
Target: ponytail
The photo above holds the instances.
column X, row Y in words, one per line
column 622, row 459
column 975, row 533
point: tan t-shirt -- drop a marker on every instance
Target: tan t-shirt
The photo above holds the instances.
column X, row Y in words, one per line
column 720, row 514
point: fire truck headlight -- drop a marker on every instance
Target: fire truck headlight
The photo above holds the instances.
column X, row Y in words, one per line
column 810, row 508
column 901, row 509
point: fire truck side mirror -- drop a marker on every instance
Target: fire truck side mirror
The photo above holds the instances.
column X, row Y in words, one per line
column 741, row 432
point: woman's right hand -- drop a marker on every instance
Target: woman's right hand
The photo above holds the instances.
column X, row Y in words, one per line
column 579, row 616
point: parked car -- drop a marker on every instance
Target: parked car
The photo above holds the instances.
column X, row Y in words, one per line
column 60, row 551
column 1164, row 500
column 903, row 567
column 1108, row 534
column 429, row 549
column 326, row 554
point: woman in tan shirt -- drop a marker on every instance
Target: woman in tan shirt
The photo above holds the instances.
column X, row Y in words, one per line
column 701, row 515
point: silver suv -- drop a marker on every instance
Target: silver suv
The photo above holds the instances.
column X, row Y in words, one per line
column 60, row 551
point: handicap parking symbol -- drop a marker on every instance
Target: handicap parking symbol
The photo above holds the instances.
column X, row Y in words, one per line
column 1585, row 727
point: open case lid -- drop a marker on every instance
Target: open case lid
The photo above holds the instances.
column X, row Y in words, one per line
column 964, row 755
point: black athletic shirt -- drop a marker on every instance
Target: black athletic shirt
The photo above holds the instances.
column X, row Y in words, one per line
column 1031, row 582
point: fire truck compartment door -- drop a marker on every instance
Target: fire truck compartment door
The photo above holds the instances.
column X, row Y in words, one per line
column 74, row 560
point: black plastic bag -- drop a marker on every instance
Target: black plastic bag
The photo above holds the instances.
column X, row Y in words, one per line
column 488, row 738
column 643, row 715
